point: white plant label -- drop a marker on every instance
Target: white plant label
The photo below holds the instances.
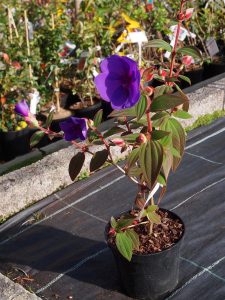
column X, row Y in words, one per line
column 34, row 100
column 137, row 37
column 211, row 46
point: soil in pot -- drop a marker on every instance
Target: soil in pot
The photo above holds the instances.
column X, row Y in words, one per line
column 154, row 269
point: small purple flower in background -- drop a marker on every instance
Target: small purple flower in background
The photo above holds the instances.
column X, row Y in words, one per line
column 74, row 128
column 119, row 82
column 22, row 108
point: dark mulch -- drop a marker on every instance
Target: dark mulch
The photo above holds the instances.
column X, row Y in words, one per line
column 163, row 235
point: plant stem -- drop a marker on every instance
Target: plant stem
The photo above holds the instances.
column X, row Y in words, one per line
column 174, row 52
column 110, row 155
column 148, row 115
column 150, row 228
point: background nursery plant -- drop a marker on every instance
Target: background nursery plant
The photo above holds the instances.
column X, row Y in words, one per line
column 147, row 124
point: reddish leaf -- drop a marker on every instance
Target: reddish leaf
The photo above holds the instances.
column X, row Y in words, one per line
column 98, row 159
column 76, row 165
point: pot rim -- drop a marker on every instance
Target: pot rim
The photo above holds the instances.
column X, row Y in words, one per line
column 154, row 253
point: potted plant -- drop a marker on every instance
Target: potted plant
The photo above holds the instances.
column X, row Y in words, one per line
column 146, row 239
column 209, row 27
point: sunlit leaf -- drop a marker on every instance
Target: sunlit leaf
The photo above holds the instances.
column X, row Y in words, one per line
column 157, row 43
column 124, row 245
column 36, row 137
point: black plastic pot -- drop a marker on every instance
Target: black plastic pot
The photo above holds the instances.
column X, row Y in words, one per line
column 195, row 76
column 15, row 143
column 213, row 69
column 1, row 147
column 153, row 276
column 89, row 111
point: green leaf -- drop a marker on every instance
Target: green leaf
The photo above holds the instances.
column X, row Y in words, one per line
column 160, row 90
column 128, row 112
column 141, row 107
column 151, row 208
column 154, row 217
column 159, row 134
column 49, row 119
column 98, row 117
column 185, row 78
column 178, row 140
column 112, row 131
column 167, row 101
column 157, row 43
column 130, row 233
column 124, row 245
column 36, row 137
column 113, row 222
column 124, row 222
column 134, row 171
column 190, row 50
column 182, row 114
column 175, row 152
column 98, row 160
column 151, row 158
column 76, row 165
column 133, row 157
column 161, row 179
column 171, row 79
column 130, row 138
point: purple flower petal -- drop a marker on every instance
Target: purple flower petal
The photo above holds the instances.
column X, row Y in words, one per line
column 119, row 82
column 74, row 128
column 22, row 108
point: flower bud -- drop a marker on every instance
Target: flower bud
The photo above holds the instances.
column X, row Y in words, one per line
column 180, row 17
column 141, row 139
column 90, row 123
column 188, row 13
column 149, row 90
column 3, row 100
column 118, row 142
column 112, row 231
column 187, row 60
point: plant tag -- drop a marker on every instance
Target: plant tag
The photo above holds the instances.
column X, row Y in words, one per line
column 211, row 46
column 182, row 34
column 34, row 100
column 137, row 37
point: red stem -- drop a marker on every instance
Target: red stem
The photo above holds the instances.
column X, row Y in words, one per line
column 149, row 115
column 176, row 39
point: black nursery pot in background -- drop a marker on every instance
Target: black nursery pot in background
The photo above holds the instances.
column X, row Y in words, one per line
column 213, row 69
column 195, row 76
column 89, row 111
column 15, row 143
column 153, row 276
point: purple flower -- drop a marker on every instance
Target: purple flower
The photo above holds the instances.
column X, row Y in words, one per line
column 74, row 128
column 22, row 108
column 119, row 82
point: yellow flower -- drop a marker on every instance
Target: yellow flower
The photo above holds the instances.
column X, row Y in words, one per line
column 22, row 124
column 122, row 37
column 132, row 23
column 59, row 12
column 18, row 128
